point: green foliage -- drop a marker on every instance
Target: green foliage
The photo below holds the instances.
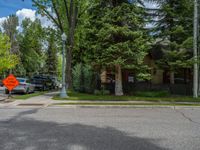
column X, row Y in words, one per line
column 83, row 78
column 65, row 14
column 88, row 76
column 31, row 44
column 7, row 60
column 174, row 24
column 101, row 92
column 116, row 35
column 10, row 29
column 82, row 97
column 173, row 60
column 77, row 77
column 10, row 25
column 51, row 62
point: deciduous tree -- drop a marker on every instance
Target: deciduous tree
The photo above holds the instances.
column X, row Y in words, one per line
column 31, row 43
column 65, row 15
column 7, row 60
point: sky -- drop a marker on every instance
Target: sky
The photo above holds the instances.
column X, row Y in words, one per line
column 24, row 9
column 8, row 7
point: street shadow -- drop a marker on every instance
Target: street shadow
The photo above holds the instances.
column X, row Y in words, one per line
column 23, row 133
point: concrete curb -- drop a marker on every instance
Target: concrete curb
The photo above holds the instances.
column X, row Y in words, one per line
column 101, row 104
column 51, row 105
column 127, row 102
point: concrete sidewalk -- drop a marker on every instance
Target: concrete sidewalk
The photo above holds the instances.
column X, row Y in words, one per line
column 46, row 101
column 3, row 98
column 42, row 100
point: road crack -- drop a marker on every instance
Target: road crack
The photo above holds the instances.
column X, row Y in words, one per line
column 187, row 118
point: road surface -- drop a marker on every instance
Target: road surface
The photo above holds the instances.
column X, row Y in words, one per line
column 71, row 128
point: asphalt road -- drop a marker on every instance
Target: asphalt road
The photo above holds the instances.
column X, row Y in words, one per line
column 99, row 129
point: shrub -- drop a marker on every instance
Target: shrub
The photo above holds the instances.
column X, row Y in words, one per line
column 84, row 78
column 88, row 79
column 76, row 72
column 97, row 92
column 101, row 92
column 105, row 92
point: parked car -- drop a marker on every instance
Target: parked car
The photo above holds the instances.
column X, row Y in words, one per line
column 55, row 84
column 24, row 86
column 40, row 82
column 45, row 82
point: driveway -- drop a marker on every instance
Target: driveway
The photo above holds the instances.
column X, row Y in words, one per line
column 99, row 129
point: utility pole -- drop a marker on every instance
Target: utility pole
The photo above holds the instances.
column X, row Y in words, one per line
column 195, row 50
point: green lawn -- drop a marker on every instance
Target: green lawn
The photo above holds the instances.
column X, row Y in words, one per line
column 123, row 104
column 81, row 96
column 26, row 96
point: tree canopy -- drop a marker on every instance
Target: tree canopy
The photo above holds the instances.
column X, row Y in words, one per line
column 7, row 60
column 116, row 37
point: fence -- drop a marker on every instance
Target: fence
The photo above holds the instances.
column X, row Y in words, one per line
column 130, row 88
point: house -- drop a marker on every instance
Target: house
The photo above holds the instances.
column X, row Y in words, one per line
column 160, row 79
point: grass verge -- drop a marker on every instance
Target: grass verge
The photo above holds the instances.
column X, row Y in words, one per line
column 27, row 96
column 83, row 97
column 124, row 104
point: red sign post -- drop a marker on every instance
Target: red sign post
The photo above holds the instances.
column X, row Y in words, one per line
column 10, row 82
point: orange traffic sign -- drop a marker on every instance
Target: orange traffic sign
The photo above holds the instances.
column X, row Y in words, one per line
column 10, row 82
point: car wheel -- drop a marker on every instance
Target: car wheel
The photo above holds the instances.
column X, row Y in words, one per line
column 6, row 92
column 44, row 88
column 27, row 91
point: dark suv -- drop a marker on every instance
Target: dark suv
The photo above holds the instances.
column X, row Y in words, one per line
column 44, row 82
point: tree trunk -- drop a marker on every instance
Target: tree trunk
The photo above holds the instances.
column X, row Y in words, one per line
column 72, row 26
column 69, row 68
column 172, row 77
column 118, row 81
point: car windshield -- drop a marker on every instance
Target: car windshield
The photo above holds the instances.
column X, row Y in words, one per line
column 21, row 80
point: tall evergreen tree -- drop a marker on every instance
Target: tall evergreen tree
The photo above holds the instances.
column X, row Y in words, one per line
column 10, row 29
column 51, row 54
column 116, row 37
column 174, row 24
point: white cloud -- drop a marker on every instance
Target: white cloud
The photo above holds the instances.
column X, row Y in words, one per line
column 26, row 13
column 45, row 21
column 2, row 20
column 151, row 5
column 29, row 13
